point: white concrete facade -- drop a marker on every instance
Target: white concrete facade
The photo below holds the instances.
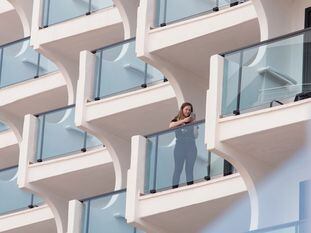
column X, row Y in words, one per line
column 109, row 132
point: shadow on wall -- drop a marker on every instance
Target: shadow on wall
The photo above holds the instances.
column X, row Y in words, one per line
column 284, row 199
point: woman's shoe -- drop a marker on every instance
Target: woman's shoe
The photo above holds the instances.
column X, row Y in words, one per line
column 189, row 182
column 175, row 186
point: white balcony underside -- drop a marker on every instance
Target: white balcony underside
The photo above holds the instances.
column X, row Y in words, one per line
column 191, row 208
column 9, row 149
column 138, row 112
column 13, row 30
column 271, row 135
column 35, row 95
column 35, row 220
column 75, row 176
column 67, row 39
column 191, row 43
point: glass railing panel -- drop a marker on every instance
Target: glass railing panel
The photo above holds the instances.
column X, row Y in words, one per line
column 169, row 11
column 265, row 75
column 179, row 156
column 293, row 227
column 57, row 127
column 118, row 70
column 56, row 11
column 3, row 127
column 106, row 214
column 19, row 62
column 12, row 198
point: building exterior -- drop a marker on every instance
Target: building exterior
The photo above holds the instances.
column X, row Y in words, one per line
column 88, row 89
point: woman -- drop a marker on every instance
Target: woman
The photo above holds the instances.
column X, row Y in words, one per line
column 185, row 151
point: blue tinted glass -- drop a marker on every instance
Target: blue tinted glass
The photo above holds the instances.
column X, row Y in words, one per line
column 12, row 198
column 119, row 70
column 58, row 127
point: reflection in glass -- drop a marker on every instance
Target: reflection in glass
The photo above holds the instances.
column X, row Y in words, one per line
column 118, row 70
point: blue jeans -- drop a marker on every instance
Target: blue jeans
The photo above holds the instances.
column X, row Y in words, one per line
column 185, row 152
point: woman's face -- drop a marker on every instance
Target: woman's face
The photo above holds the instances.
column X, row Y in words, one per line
column 186, row 111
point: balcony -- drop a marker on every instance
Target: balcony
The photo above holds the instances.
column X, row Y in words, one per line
column 258, row 117
column 50, row 165
column 268, row 97
column 118, row 92
column 102, row 213
column 9, row 148
column 160, row 193
column 61, row 29
column 21, row 208
column 13, row 30
column 27, row 80
column 189, row 37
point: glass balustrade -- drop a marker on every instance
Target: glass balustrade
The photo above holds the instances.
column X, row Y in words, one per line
column 293, row 227
column 170, row 11
column 106, row 213
column 12, row 198
column 3, row 127
column 19, row 62
column 267, row 74
column 58, row 135
column 178, row 156
column 57, row 11
column 118, row 70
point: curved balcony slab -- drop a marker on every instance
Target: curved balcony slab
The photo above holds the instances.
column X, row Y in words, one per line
column 32, row 96
column 9, row 149
column 93, row 169
column 180, row 50
column 186, row 209
column 39, row 219
column 13, row 30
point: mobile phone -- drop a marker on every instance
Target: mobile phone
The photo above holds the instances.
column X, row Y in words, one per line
column 192, row 116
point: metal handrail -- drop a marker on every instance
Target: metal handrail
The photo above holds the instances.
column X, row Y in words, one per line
column 173, row 129
column 269, row 41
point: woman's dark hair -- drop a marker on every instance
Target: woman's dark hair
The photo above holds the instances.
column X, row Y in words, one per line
column 180, row 115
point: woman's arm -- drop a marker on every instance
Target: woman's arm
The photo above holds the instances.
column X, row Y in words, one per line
column 174, row 124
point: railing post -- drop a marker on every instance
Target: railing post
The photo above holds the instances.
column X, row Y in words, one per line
column 87, row 223
column 237, row 111
column 98, row 83
column 216, row 8
column 90, row 8
column 83, row 149
column 41, row 135
column 164, row 14
column 31, row 205
column 154, row 190
column 144, row 85
column 46, row 24
column 1, row 62
column 208, row 168
column 38, row 66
